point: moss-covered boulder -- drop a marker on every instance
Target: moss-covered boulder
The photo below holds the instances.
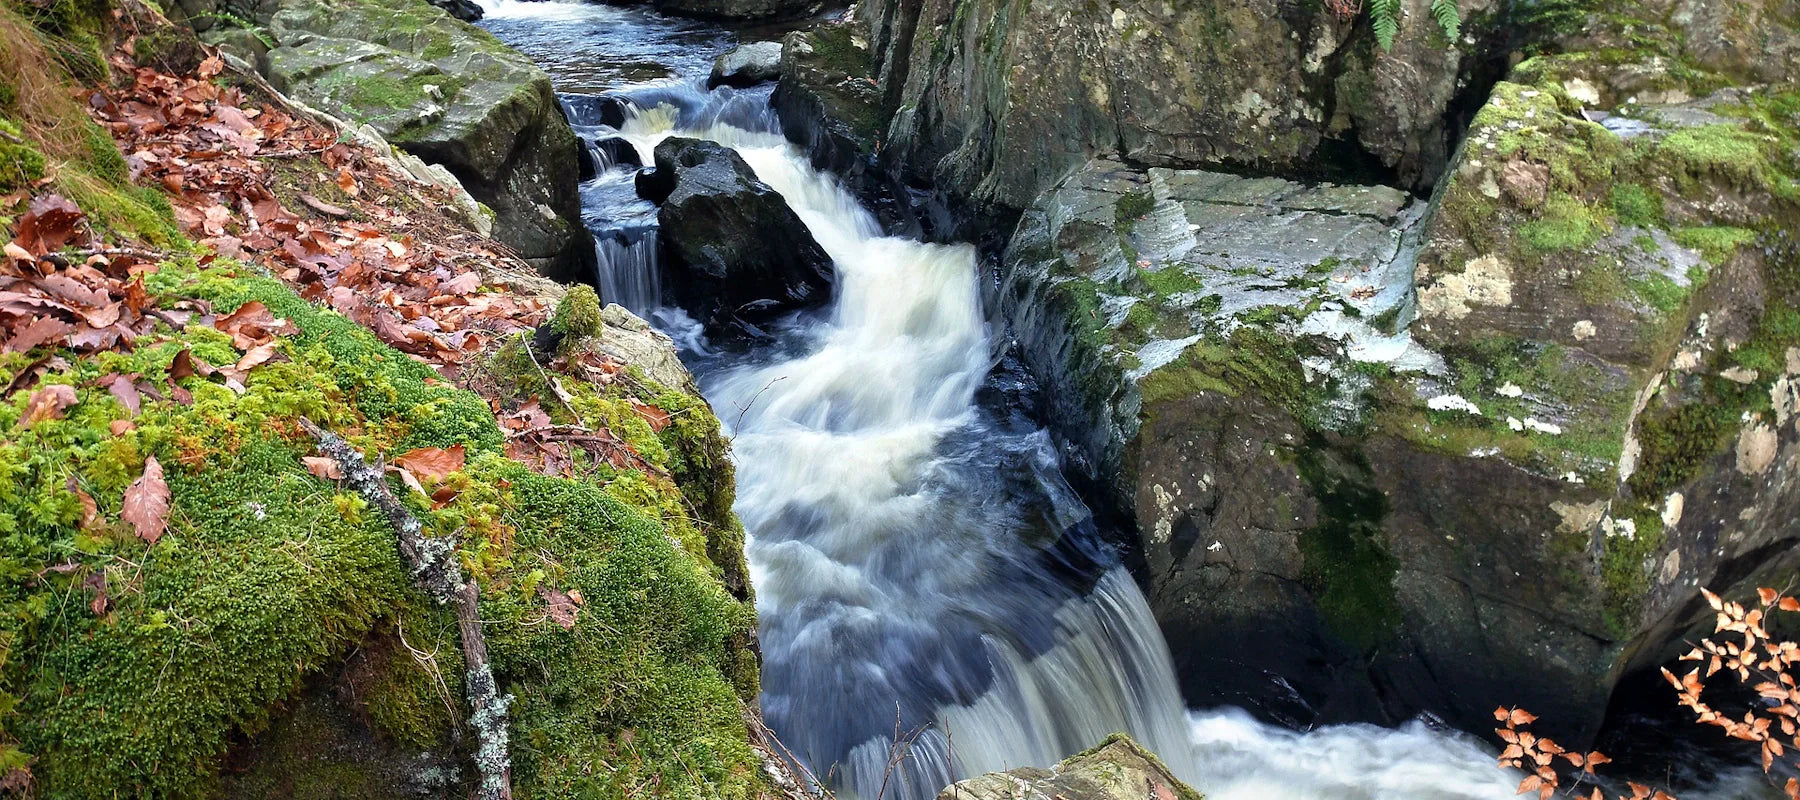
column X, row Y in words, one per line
column 828, row 102
column 1116, row 769
column 1387, row 456
column 447, row 92
column 995, row 102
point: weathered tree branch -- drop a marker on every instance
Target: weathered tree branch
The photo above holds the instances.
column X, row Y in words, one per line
column 433, row 565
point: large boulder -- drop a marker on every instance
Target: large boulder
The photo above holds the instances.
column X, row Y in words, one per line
column 736, row 250
column 1116, row 769
column 446, row 92
column 746, row 65
column 1380, row 456
column 996, row 102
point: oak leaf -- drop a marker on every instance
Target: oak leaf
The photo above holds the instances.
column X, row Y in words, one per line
column 432, row 463
column 147, row 502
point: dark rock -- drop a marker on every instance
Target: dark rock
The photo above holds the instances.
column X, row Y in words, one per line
column 735, row 249
column 654, row 185
column 996, row 103
column 829, row 105
column 747, row 65
column 596, row 109
column 465, row 10
column 740, row 9
column 614, row 152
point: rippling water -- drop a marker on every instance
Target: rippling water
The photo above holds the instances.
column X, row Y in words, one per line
column 921, row 566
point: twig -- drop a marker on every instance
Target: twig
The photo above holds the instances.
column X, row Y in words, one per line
column 745, row 409
column 434, row 569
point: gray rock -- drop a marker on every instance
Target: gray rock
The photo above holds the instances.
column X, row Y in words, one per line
column 735, row 249
column 1116, row 769
column 450, row 94
column 747, row 65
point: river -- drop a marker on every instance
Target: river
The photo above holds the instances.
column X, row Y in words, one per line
column 922, row 569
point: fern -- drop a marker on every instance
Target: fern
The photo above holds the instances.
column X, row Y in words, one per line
column 1448, row 18
column 1384, row 17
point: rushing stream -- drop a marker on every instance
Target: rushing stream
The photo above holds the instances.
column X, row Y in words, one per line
column 921, row 567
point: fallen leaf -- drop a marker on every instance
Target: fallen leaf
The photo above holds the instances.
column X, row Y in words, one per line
column 432, row 463
column 323, row 468
column 49, row 225
column 411, row 480
column 562, row 609
column 147, row 502
column 48, row 403
column 14, row 251
column 658, row 418
column 127, row 393
column 257, row 356
column 96, row 583
column 120, row 426
column 90, row 510
column 323, row 207
column 40, row 331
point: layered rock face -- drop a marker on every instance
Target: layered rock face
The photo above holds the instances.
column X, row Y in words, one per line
column 442, row 90
column 1379, row 454
column 997, row 101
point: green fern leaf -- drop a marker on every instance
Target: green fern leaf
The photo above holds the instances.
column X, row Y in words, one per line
column 1448, row 18
column 1384, row 17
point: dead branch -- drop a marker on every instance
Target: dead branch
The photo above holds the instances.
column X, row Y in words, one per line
column 432, row 562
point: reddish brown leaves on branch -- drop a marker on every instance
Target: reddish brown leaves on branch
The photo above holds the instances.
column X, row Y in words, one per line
column 1747, row 652
column 147, row 503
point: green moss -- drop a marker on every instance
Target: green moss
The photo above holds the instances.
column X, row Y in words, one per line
column 1132, row 207
column 1636, row 206
column 1724, row 150
column 1566, row 223
column 1660, row 292
column 268, row 574
column 1350, row 574
column 1716, row 244
column 1626, row 565
column 20, row 164
column 1170, row 280
column 1676, row 444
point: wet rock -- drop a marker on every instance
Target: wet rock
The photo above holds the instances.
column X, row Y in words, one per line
column 1439, row 452
column 829, row 103
column 735, row 249
column 1117, row 769
column 448, row 93
column 997, row 104
column 740, row 9
column 614, row 151
column 596, row 109
column 465, row 10
column 747, row 65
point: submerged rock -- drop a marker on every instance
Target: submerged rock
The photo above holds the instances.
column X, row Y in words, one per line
column 747, row 65
column 1116, row 769
column 737, row 251
column 450, row 94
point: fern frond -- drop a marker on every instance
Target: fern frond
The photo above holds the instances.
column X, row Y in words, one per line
column 1384, row 17
column 1448, row 18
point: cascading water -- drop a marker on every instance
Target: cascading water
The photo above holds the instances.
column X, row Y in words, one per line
column 922, row 570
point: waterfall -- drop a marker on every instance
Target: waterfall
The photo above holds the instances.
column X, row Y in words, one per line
column 922, row 570
column 627, row 269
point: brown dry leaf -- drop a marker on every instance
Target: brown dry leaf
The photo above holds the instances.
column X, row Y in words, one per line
column 126, row 392
column 658, row 418
column 147, row 502
column 323, row 207
column 96, row 583
column 562, row 610
column 443, row 497
column 322, row 467
column 48, row 403
column 347, row 182
column 433, row 463
column 257, row 356
column 120, row 426
column 40, row 331
column 411, row 480
column 49, row 225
